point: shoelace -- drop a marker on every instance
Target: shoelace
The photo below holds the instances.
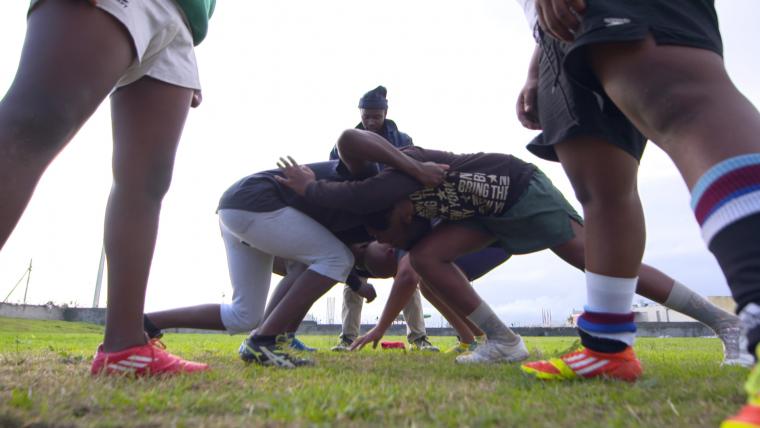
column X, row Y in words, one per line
column 157, row 343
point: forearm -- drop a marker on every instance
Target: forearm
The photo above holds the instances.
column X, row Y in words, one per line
column 402, row 290
column 359, row 148
column 366, row 196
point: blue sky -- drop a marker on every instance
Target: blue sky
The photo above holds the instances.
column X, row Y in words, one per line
column 284, row 78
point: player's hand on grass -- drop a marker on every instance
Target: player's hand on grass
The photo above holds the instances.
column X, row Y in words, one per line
column 527, row 105
column 431, row 174
column 297, row 177
column 373, row 336
column 560, row 18
column 367, row 291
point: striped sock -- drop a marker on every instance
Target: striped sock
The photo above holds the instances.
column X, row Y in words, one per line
column 726, row 193
column 606, row 324
column 726, row 202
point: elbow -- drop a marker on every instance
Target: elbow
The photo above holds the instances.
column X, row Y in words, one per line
column 349, row 142
column 407, row 281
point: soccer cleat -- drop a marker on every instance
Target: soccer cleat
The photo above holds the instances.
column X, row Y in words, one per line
column 461, row 348
column 269, row 355
column 144, row 360
column 344, row 344
column 587, row 364
column 493, row 351
column 296, row 345
column 423, row 344
column 749, row 415
column 734, row 347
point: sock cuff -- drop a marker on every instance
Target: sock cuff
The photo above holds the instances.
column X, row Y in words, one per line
column 718, row 171
column 678, row 297
column 608, row 294
column 726, row 193
column 610, row 284
column 481, row 314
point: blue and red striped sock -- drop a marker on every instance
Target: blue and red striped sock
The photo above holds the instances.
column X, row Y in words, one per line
column 606, row 324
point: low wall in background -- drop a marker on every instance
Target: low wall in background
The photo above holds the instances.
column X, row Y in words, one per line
column 98, row 316
column 34, row 312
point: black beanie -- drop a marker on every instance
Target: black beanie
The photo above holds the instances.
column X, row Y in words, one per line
column 374, row 99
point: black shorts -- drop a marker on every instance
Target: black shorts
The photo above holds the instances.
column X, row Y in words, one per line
column 692, row 23
column 567, row 110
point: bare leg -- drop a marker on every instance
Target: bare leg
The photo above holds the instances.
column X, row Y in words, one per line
column 202, row 316
column 652, row 283
column 604, row 179
column 433, row 258
column 281, row 291
column 461, row 325
column 148, row 118
column 53, row 94
column 655, row 285
column 704, row 108
column 308, row 287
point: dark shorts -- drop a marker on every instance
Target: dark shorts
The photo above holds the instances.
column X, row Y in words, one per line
column 571, row 100
column 692, row 23
column 567, row 110
column 475, row 265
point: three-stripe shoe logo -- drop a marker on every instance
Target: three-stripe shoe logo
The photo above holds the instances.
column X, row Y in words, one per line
column 276, row 359
column 131, row 364
column 583, row 364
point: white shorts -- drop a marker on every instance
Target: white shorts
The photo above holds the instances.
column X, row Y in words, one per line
column 162, row 40
column 252, row 240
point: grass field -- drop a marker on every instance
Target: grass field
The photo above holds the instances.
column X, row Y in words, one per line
column 44, row 381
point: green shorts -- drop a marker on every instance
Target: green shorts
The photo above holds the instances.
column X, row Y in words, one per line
column 539, row 220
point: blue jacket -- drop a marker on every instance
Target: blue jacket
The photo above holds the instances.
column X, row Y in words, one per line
column 389, row 131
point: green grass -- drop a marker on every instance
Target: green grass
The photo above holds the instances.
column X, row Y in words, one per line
column 44, row 381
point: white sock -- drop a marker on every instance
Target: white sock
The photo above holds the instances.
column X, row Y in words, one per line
column 485, row 318
column 608, row 294
column 686, row 301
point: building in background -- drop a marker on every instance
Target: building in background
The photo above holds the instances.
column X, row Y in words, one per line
column 655, row 312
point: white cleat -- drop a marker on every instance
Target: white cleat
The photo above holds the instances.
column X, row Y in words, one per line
column 495, row 352
column 734, row 347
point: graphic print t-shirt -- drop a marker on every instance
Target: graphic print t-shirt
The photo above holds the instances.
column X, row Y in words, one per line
column 480, row 184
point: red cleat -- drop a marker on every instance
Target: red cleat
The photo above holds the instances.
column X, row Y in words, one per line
column 144, row 360
column 585, row 364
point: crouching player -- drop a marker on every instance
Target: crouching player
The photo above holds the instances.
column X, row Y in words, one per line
column 484, row 199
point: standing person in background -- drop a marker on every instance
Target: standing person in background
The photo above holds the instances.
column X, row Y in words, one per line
column 75, row 54
column 373, row 109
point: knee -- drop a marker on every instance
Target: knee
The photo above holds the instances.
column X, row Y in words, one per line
column 336, row 263
column 343, row 260
column 617, row 191
column 237, row 319
column 148, row 182
column 38, row 127
column 423, row 260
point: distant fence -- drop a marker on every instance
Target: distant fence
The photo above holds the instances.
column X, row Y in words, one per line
column 98, row 316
